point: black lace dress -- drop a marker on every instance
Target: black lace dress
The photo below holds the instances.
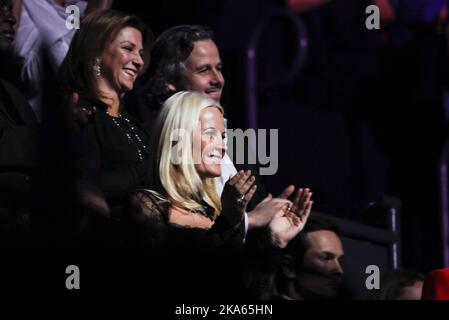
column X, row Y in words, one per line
column 178, row 261
column 153, row 227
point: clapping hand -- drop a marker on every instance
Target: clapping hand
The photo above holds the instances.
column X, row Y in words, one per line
column 286, row 224
column 265, row 211
column 237, row 193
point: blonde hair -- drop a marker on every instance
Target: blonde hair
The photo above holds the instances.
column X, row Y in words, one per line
column 180, row 181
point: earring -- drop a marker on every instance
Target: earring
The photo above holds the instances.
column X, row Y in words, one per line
column 96, row 67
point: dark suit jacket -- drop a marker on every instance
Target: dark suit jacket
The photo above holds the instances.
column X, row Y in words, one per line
column 18, row 140
column 18, row 145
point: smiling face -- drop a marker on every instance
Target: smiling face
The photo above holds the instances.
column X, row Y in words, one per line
column 7, row 22
column 203, row 70
column 121, row 61
column 213, row 146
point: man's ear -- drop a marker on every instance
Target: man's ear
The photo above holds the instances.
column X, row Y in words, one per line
column 170, row 86
column 288, row 266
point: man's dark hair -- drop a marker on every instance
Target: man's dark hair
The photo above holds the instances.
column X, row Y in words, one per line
column 298, row 246
column 170, row 50
column 393, row 283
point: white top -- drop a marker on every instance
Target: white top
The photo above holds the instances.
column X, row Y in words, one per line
column 227, row 170
column 42, row 27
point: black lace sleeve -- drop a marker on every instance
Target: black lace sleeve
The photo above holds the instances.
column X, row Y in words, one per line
column 150, row 227
column 224, row 235
column 148, row 219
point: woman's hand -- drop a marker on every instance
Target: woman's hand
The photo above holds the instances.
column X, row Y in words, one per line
column 237, row 193
column 287, row 223
column 265, row 211
column 82, row 113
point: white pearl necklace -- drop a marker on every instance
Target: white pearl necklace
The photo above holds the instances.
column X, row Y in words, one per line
column 135, row 134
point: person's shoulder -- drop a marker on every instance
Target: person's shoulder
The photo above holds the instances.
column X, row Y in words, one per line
column 150, row 202
column 150, row 195
column 19, row 101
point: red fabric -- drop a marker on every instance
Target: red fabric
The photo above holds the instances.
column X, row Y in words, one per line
column 436, row 285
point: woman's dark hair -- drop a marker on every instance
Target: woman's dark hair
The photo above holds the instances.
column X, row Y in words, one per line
column 97, row 30
column 171, row 49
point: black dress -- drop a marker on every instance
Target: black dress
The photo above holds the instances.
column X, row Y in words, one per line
column 184, row 262
column 115, row 156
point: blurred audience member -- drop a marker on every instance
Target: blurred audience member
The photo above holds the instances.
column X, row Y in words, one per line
column 400, row 285
column 436, row 285
column 18, row 146
column 42, row 30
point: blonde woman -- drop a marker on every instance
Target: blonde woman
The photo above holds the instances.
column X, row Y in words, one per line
column 183, row 205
